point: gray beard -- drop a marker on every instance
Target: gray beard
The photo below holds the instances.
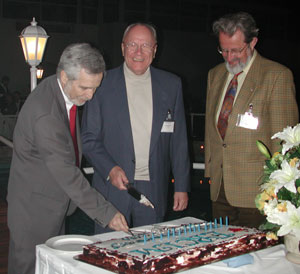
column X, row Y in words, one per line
column 239, row 67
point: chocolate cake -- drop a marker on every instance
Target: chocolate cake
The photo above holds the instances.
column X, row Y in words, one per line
column 172, row 249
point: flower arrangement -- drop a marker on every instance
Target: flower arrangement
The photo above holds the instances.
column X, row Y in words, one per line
column 279, row 199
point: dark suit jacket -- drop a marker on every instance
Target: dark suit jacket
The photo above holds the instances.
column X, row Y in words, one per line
column 43, row 174
column 107, row 138
column 269, row 87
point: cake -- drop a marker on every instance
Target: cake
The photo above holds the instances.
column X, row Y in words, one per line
column 170, row 249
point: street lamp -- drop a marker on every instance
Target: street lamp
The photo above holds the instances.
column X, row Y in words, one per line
column 39, row 72
column 33, row 39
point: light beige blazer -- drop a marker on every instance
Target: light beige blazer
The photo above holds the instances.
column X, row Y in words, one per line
column 269, row 87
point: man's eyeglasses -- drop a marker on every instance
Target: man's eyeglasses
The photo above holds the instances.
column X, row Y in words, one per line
column 231, row 51
column 133, row 47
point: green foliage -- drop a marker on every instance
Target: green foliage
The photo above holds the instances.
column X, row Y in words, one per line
column 269, row 227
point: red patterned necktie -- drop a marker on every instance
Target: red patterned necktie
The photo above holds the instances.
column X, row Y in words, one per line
column 227, row 105
column 73, row 131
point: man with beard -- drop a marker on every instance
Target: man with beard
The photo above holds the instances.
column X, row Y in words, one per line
column 249, row 98
column 45, row 183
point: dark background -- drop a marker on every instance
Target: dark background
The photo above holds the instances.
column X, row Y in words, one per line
column 186, row 47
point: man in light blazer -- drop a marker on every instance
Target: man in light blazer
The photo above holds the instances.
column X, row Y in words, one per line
column 45, row 183
column 134, row 131
column 264, row 104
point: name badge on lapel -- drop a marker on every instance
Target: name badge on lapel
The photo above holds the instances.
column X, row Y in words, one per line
column 168, row 125
column 247, row 120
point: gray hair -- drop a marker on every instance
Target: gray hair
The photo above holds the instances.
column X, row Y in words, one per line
column 80, row 56
column 148, row 26
column 230, row 23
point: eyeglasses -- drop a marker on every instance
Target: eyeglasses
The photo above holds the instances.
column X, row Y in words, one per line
column 232, row 51
column 133, row 47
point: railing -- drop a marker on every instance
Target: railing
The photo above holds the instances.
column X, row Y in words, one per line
column 7, row 125
column 6, row 142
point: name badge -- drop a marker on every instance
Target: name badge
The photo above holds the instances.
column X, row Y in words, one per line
column 247, row 120
column 168, row 125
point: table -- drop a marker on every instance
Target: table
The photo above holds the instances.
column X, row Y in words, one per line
column 268, row 261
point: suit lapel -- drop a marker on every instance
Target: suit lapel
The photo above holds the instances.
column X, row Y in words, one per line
column 218, row 90
column 159, row 101
column 78, row 136
column 122, row 110
column 62, row 110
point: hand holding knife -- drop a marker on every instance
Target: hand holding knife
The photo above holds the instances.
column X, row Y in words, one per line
column 137, row 195
column 119, row 179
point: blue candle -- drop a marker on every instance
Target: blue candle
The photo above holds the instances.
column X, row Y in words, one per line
column 210, row 226
column 145, row 239
column 221, row 222
column 190, row 228
column 168, row 234
column 194, row 228
column 205, row 227
column 153, row 238
column 173, row 232
column 216, row 224
column 184, row 230
column 161, row 236
column 179, row 232
column 199, row 227
column 226, row 221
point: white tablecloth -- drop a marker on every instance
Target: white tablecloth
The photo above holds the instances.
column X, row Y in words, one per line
column 267, row 261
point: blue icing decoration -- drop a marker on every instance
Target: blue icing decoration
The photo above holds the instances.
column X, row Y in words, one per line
column 155, row 248
column 180, row 242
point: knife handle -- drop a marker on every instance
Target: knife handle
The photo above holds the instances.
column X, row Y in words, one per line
column 133, row 192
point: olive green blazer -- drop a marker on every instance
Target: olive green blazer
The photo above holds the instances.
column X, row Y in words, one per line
column 269, row 87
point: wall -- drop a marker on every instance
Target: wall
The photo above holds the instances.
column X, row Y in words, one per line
column 187, row 54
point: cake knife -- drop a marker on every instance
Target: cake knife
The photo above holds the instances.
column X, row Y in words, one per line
column 137, row 195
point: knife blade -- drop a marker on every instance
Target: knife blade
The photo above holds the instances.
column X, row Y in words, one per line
column 137, row 195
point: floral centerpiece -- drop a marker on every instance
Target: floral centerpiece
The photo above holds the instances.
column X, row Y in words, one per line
column 279, row 199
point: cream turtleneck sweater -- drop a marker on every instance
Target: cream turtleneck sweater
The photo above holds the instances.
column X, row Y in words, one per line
column 139, row 95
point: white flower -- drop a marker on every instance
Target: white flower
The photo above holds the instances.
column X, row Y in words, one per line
column 290, row 135
column 284, row 214
column 286, row 177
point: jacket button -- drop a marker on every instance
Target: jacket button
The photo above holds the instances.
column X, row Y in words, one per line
column 224, row 145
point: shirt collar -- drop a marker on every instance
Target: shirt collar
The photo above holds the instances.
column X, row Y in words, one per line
column 128, row 73
column 68, row 103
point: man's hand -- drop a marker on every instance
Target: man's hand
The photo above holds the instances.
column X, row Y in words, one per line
column 180, row 201
column 118, row 222
column 118, row 178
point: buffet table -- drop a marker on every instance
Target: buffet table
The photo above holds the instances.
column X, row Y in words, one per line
column 52, row 260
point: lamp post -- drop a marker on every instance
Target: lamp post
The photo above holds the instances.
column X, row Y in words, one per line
column 33, row 39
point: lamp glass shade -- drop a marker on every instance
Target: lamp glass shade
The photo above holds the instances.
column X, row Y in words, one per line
column 33, row 40
column 39, row 73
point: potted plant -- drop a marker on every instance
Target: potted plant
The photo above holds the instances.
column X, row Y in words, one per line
column 279, row 199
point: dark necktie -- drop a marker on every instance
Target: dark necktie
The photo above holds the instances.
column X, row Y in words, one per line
column 227, row 105
column 73, row 131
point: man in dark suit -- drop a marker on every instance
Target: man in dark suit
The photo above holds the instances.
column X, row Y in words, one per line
column 45, row 180
column 134, row 131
